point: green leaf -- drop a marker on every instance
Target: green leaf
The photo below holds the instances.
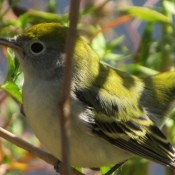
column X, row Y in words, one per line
column 115, row 57
column 99, row 45
column 105, row 169
column 12, row 89
column 170, row 6
column 35, row 16
column 144, row 48
column 11, row 64
column 146, row 14
column 136, row 68
column 115, row 43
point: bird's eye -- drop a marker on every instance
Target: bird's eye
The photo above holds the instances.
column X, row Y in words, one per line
column 37, row 47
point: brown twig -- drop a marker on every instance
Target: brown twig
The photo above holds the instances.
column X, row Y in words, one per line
column 25, row 145
column 3, row 97
column 65, row 102
column 37, row 151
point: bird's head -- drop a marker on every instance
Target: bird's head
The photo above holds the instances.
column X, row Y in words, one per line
column 40, row 50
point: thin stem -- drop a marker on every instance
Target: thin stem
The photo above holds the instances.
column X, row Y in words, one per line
column 37, row 151
column 65, row 103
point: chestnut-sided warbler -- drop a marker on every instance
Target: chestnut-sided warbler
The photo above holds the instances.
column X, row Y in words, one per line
column 115, row 115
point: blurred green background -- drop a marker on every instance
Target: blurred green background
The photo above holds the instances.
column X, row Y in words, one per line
column 133, row 36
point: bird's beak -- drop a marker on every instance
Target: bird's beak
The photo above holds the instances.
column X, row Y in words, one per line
column 10, row 42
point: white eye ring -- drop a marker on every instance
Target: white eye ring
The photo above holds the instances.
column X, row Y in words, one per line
column 37, row 47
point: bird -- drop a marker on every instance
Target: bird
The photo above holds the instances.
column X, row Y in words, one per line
column 114, row 115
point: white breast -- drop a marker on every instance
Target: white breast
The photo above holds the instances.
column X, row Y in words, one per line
column 87, row 150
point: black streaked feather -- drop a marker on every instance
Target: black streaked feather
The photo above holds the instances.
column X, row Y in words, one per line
column 107, row 127
column 93, row 99
column 151, row 148
column 142, row 137
column 157, row 131
column 133, row 125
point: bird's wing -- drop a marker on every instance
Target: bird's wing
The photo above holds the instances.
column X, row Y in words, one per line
column 126, row 127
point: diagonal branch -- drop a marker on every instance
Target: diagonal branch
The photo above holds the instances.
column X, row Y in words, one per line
column 27, row 146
